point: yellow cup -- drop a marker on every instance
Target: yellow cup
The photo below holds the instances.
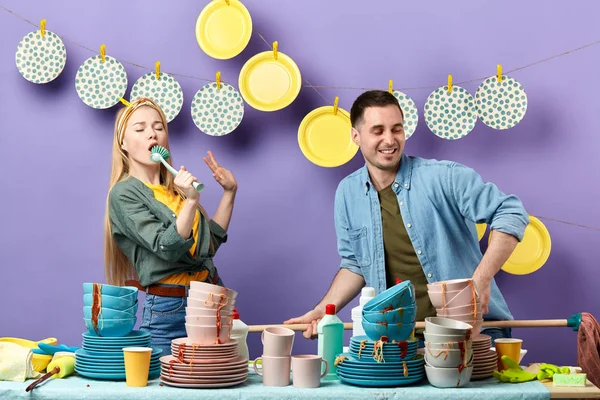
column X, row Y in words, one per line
column 137, row 365
column 508, row 347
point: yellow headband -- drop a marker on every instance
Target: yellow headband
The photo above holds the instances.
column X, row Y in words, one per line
column 131, row 107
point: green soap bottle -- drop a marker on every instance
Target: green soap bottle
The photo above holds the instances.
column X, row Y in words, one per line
column 331, row 339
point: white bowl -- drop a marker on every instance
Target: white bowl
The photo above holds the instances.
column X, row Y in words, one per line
column 437, row 338
column 443, row 358
column 452, row 345
column 448, row 377
column 446, row 326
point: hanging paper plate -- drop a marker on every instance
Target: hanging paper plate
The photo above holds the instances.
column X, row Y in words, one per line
column 41, row 59
column 324, row 137
column 101, row 84
column 270, row 81
column 501, row 105
column 223, row 28
column 481, row 228
column 409, row 109
column 532, row 252
column 215, row 111
column 166, row 92
column 450, row 115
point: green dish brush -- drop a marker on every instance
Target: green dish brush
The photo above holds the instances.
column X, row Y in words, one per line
column 159, row 154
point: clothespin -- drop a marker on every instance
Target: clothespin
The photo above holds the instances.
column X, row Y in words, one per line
column 125, row 102
column 335, row 105
column 499, row 72
column 218, row 79
column 157, row 69
column 449, row 83
column 391, row 87
column 103, row 52
column 43, row 27
column 275, row 49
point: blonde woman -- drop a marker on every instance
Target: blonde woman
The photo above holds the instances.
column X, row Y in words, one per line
column 157, row 236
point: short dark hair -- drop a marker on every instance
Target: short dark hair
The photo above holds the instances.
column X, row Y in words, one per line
column 371, row 98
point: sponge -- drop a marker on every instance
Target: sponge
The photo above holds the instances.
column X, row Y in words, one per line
column 569, row 379
column 66, row 365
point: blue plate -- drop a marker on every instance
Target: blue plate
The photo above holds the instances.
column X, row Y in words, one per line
column 111, row 370
column 397, row 377
column 153, row 374
column 365, row 363
column 112, row 349
column 369, row 342
column 381, row 383
column 132, row 335
column 110, row 356
column 92, row 365
column 380, row 372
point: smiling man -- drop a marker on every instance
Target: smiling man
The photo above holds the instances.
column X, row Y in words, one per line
column 410, row 218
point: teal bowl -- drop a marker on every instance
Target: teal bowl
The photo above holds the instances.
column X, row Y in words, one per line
column 397, row 332
column 405, row 315
column 111, row 290
column 400, row 295
column 109, row 313
column 116, row 303
column 111, row 327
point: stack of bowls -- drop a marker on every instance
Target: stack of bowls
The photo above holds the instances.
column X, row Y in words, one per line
column 209, row 313
column 457, row 299
column 117, row 308
column 448, row 352
column 391, row 314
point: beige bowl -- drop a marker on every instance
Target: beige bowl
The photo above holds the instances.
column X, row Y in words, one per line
column 446, row 326
column 202, row 334
column 437, row 338
column 209, row 304
column 444, row 358
column 450, row 345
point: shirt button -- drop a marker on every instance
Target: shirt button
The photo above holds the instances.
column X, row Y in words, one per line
column 401, row 203
column 419, row 252
column 173, row 215
column 429, row 275
column 162, row 247
column 409, row 225
column 406, row 185
column 396, row 185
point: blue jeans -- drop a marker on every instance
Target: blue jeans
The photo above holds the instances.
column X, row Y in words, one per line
column 164, row 318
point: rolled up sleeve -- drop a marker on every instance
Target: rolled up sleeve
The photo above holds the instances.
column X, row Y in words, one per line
column 345, row 251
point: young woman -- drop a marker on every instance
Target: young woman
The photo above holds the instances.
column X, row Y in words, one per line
column 157, row 236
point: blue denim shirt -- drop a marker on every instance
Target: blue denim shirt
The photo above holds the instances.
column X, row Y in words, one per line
column 440, row 203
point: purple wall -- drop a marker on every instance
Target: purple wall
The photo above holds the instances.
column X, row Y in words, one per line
column 281, row 254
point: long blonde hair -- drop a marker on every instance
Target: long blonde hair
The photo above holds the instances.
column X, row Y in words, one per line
column 118, row 268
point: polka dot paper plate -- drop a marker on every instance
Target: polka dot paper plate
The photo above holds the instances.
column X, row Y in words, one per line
column 41, row 59
column 324, row 137
column 409, row 109
column 450, row 115
column 268, row 82
column 101, row 84
column 223, row 29
column 217, row 112
column 166, row 92
column 501, row 105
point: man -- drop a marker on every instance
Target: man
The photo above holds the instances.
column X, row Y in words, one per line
column 410, row 218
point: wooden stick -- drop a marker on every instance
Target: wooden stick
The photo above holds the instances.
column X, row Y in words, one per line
column 533, row 323
column 55, row 370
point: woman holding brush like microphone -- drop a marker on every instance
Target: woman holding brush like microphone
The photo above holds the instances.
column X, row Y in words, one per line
column 157, row 235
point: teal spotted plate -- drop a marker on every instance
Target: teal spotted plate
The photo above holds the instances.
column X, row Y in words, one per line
column 41, row 59
column 501, row 105
column 165, row 91
column 101, row 84
column 411, row 114
column 450, row 115
column 215, row 111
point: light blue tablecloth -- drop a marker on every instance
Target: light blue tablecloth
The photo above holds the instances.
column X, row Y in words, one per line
column 78, row 388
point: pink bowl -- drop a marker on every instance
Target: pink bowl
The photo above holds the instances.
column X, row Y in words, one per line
column 468, row 318
column 207, row 320
column 208, row 305
column 210, row 298
column 206, row 312
column 465, row 297
column 202, row 334
column 451, row 285
column 438, row 301
column 208, row 288
column 450, row 311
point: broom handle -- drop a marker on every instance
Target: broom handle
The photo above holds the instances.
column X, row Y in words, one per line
column 532, row 323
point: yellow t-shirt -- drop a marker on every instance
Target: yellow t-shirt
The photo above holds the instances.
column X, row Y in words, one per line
column 175, row 204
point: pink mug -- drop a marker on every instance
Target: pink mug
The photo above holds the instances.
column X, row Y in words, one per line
column 306, row 370
column 275, row 370
column 277, row 342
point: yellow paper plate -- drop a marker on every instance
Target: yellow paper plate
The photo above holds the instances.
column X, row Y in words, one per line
column 324, row 137
column 223, row 28
column 532, row 252
column 480, row 230
column 270, row 82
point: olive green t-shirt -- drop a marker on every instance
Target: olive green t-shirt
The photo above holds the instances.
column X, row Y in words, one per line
column 401, row 261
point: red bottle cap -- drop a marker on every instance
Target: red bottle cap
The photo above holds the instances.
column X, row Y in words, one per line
column 235, row 314
column 330, row 309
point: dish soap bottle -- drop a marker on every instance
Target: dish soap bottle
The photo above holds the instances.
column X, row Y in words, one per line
column 366, row 294
column 239, row 332
column 331, row 339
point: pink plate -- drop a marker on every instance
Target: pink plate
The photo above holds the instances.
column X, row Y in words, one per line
column 189, row 343
column 202, row 385
column 232, row 378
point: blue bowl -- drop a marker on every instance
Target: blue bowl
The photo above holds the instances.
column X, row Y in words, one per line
column 116, row 291
column 111, row 327
column 405, row 315
column 395, row 332
column 400, row 295
column 109, row 313
column 116, row 303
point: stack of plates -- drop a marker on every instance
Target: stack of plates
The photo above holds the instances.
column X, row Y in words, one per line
column 102, row 357
column 203, row 366
column 388, row 374
column 485, row 361
column 391, row 352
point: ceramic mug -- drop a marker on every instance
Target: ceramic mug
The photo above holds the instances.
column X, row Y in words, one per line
column 277, row 342
column 275, row 370
column 306, row 370
column 508, row 347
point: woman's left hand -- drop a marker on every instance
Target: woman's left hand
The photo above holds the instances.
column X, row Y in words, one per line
column 223, row 176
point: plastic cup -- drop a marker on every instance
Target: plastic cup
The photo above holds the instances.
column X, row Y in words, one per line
column 508, row 347
column 137, row 365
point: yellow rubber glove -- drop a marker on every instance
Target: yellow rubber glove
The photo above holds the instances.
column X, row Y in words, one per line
column 547, row 371
column 514, row 373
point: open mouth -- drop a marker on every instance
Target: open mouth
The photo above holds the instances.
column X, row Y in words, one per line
column 152, row 145
column 388, row 151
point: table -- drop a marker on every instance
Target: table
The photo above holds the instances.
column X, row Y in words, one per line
column 76, row 387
